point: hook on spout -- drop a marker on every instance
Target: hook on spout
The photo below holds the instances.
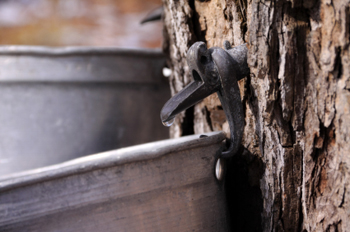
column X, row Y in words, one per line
column 214, row 70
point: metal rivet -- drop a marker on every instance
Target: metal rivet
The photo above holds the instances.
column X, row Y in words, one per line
column 219, row 169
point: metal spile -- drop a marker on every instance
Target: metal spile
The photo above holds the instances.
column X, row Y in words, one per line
column 214, row 70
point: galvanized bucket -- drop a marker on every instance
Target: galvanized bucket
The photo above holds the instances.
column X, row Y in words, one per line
column 57, row 104
column 162, row 186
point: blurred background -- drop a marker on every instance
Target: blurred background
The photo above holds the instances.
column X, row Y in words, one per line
column 79, row 22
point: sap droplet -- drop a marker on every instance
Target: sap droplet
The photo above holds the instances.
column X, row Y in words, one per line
column 169, row 123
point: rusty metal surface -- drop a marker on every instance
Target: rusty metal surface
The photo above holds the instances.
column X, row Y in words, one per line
column 163, row 186
column 57, row 104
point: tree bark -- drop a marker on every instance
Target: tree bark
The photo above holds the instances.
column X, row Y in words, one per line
column 294, row 173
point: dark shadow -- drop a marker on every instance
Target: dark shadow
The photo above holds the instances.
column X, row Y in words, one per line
column 244, row 198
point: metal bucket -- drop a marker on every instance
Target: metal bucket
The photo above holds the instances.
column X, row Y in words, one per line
column 163, row 186
column 57, row 104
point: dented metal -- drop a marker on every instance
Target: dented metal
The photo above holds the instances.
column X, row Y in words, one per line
column 168, row 185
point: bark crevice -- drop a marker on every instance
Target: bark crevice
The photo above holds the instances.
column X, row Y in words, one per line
column 296, row 102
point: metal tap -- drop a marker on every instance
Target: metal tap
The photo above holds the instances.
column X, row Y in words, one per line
column 214, row 70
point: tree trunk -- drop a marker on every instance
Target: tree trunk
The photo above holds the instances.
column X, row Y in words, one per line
column 293, row 174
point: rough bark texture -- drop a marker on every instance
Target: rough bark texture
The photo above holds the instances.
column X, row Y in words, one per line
column 293, row 174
